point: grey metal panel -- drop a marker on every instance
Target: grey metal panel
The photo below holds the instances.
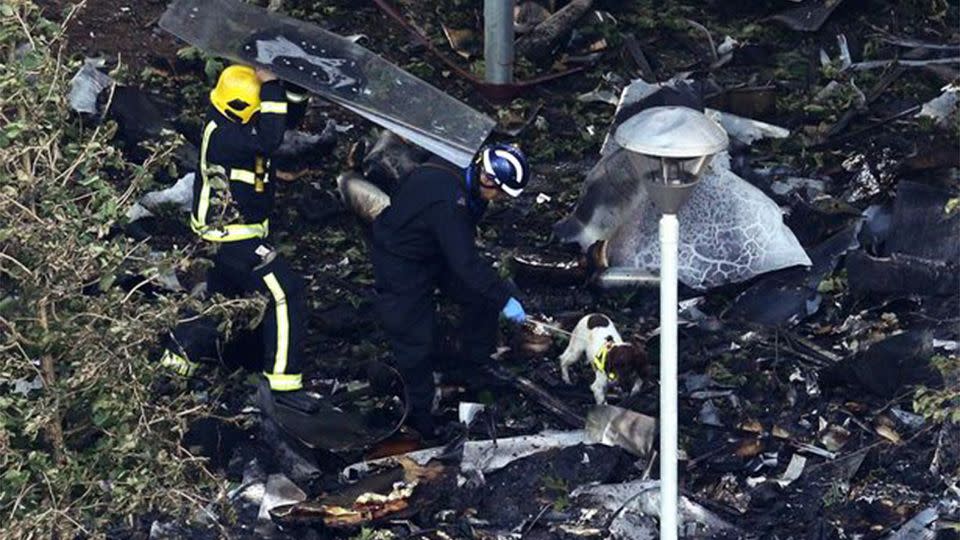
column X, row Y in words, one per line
column 336, row 69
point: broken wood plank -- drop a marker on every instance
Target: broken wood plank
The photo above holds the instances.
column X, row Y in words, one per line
column 631, row 45
column 892, row 39
column 854, row 134
column 824, row 354
column 746, row 101
column 875, row 64
column 541, row 42
column 878, row 89
column 541, row 396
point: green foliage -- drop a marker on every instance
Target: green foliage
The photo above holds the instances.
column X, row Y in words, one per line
column 836, row 493
column 722, row 374
column 558, row 489
column 91, row 442
column 941, row 405
column 371, row 534
column 933, row 10
column 835, row 283
column 212, row 66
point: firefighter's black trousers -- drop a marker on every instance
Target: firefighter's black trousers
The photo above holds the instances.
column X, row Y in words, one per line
column 249, row 266
column 410, row 322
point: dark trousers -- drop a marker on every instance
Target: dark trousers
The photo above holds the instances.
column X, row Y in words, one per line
column 410, row 322
column 242, row 268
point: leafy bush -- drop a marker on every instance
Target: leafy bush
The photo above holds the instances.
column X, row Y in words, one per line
column 943, row 404
column 87, row 441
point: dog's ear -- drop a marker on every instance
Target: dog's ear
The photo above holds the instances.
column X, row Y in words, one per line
column 628, row 363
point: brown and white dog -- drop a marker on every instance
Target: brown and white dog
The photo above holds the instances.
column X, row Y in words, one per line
column 597, row 341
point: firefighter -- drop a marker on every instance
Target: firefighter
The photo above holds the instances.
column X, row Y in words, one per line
column 424, row 241
column 250, row 109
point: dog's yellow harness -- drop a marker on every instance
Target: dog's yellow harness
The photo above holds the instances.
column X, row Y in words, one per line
column 600, row 360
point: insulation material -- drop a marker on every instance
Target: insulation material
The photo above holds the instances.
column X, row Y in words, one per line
column 730, row 231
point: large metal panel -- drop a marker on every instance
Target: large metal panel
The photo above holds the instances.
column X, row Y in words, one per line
column 334, row 68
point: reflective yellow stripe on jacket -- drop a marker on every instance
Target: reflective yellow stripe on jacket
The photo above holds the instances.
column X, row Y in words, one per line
column 293, row 97
column 284, row 382
column 231, row 233
column 198, row 222
column 243, row 175
column 273, row 107
column 203, row 205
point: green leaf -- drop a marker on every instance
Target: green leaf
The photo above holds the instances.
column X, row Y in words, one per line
column 12, row 130
column 32, row 60
column 189, row 53
column 106, row 281
column 212, row 69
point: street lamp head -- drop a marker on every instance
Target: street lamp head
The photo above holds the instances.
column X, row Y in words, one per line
column 669, row 147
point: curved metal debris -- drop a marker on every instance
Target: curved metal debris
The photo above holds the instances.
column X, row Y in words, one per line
column 336, row 69
column 635, row 503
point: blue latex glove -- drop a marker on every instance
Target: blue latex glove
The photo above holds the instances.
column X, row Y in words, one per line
column 513, row 311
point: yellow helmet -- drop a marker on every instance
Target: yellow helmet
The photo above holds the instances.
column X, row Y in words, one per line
column 237, row 94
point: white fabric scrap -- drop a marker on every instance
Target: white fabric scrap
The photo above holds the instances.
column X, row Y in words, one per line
column 482, row 456
column 744, row 129
column 942, row 107
column 280, row 491
column 179, row 194
column 794, row 470
column 86, row 85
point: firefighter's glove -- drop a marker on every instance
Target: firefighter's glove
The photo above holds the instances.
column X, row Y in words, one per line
column 513, row 311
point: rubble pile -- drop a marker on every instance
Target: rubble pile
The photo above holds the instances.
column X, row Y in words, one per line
column 820, row 259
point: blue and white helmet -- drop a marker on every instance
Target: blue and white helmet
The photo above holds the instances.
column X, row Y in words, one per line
column 506, row 165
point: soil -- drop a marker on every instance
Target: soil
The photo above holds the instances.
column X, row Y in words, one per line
column 127, row 28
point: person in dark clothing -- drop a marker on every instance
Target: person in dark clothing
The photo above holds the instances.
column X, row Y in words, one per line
column 233, row 199
column 424, row 241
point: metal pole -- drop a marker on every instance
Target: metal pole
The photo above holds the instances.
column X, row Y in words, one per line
column 669, row 240
column 498, row 40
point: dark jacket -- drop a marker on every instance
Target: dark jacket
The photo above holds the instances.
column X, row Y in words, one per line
column 236, row 156
column 429, row 231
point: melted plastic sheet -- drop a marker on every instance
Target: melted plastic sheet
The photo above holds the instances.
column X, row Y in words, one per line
column 334, row 68
column 729, row 232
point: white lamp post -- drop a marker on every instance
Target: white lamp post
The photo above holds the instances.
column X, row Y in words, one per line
column 498, row 40
column 669, row 147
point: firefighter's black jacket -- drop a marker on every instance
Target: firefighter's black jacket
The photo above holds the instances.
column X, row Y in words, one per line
column 428, row 229
column 236, row 157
